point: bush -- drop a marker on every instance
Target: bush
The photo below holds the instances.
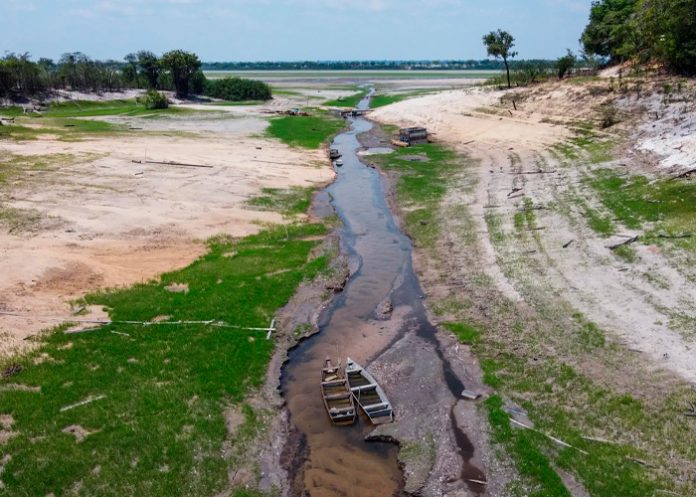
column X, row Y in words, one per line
column 565, row 64
column 609, row 116
column 155, row 100
column 238, row 89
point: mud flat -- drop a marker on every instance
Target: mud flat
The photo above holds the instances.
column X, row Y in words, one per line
column 89, row 217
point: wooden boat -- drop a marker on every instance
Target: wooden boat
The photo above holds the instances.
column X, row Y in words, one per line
column 337, row 397
column 368, row 394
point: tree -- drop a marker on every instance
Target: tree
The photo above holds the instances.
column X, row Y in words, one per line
column 499, row 45
column 565, row 64
column 610, row 32
column 182, row 66
column 130, row 71
column 150, row 67
column 667, row 33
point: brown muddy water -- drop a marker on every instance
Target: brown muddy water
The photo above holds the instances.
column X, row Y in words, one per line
column 339, row 462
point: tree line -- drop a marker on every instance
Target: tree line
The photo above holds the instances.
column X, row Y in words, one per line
column 647, row 31
column 176, row 70
column 389, row 65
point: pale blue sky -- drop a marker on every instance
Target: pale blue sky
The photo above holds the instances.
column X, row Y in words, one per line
column 222, row 30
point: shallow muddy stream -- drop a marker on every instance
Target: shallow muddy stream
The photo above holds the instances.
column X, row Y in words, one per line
column 339, row 460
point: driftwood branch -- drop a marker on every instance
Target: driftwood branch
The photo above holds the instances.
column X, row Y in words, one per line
column 627, row 241
column 557, row 440
column 169, row 163
column 535, row 172
column 684, row 174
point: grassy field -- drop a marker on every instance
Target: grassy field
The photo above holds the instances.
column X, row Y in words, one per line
column 306, row 131
column 421, row 186
column 380, row 100
column 155, row 423
column 70, row 120
column 534, row 360
column 349, row 101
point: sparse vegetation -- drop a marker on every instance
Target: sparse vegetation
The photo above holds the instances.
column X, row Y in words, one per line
column 290, row 201
column 160, row 422
column 421, row 186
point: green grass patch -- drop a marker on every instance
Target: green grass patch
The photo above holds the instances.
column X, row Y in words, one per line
column 306, row 131
column 589, row 333
column 559, row 407
column 159, row 429
column 635, row 200
column 384, row 99
column 11, row 111
column 599, row 223
column 295, row 200
column 466, row 333
column 626, row 253
column 349, row 101
column 421, row 185
column 20, row 133
column 526, row 446
column 85, row 108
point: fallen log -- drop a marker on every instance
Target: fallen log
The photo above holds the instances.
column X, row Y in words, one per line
column 625, row 242
column 675, row 237
column 169, row 163
column 684, row 174
column 535, row 172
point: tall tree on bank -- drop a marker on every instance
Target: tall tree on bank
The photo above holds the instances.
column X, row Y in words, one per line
column 499, row 45
column 611, row 32
column 666, row 30
column 182, row 66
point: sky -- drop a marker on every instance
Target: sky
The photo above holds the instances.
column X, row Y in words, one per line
column 290, row 30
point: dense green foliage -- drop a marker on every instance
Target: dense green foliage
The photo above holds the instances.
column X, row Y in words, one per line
column 666, row 30
column 662, row 31
column 609, row 32
column 182, row 66
column 565, row 64
column 159, row 429
column 499, row 45
column 20, row 77
column 238, row 89
column 155, row 100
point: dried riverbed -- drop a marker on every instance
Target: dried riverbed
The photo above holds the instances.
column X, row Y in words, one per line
column 380, row 321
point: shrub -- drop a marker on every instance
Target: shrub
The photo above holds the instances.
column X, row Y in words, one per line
column 609, row 116
column 238, row 89
column 565, row 64
column 155, row 100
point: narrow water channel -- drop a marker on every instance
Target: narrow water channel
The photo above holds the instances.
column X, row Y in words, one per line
column 340, row 462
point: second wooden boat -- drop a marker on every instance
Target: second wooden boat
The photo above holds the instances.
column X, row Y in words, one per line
column 368, row 394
